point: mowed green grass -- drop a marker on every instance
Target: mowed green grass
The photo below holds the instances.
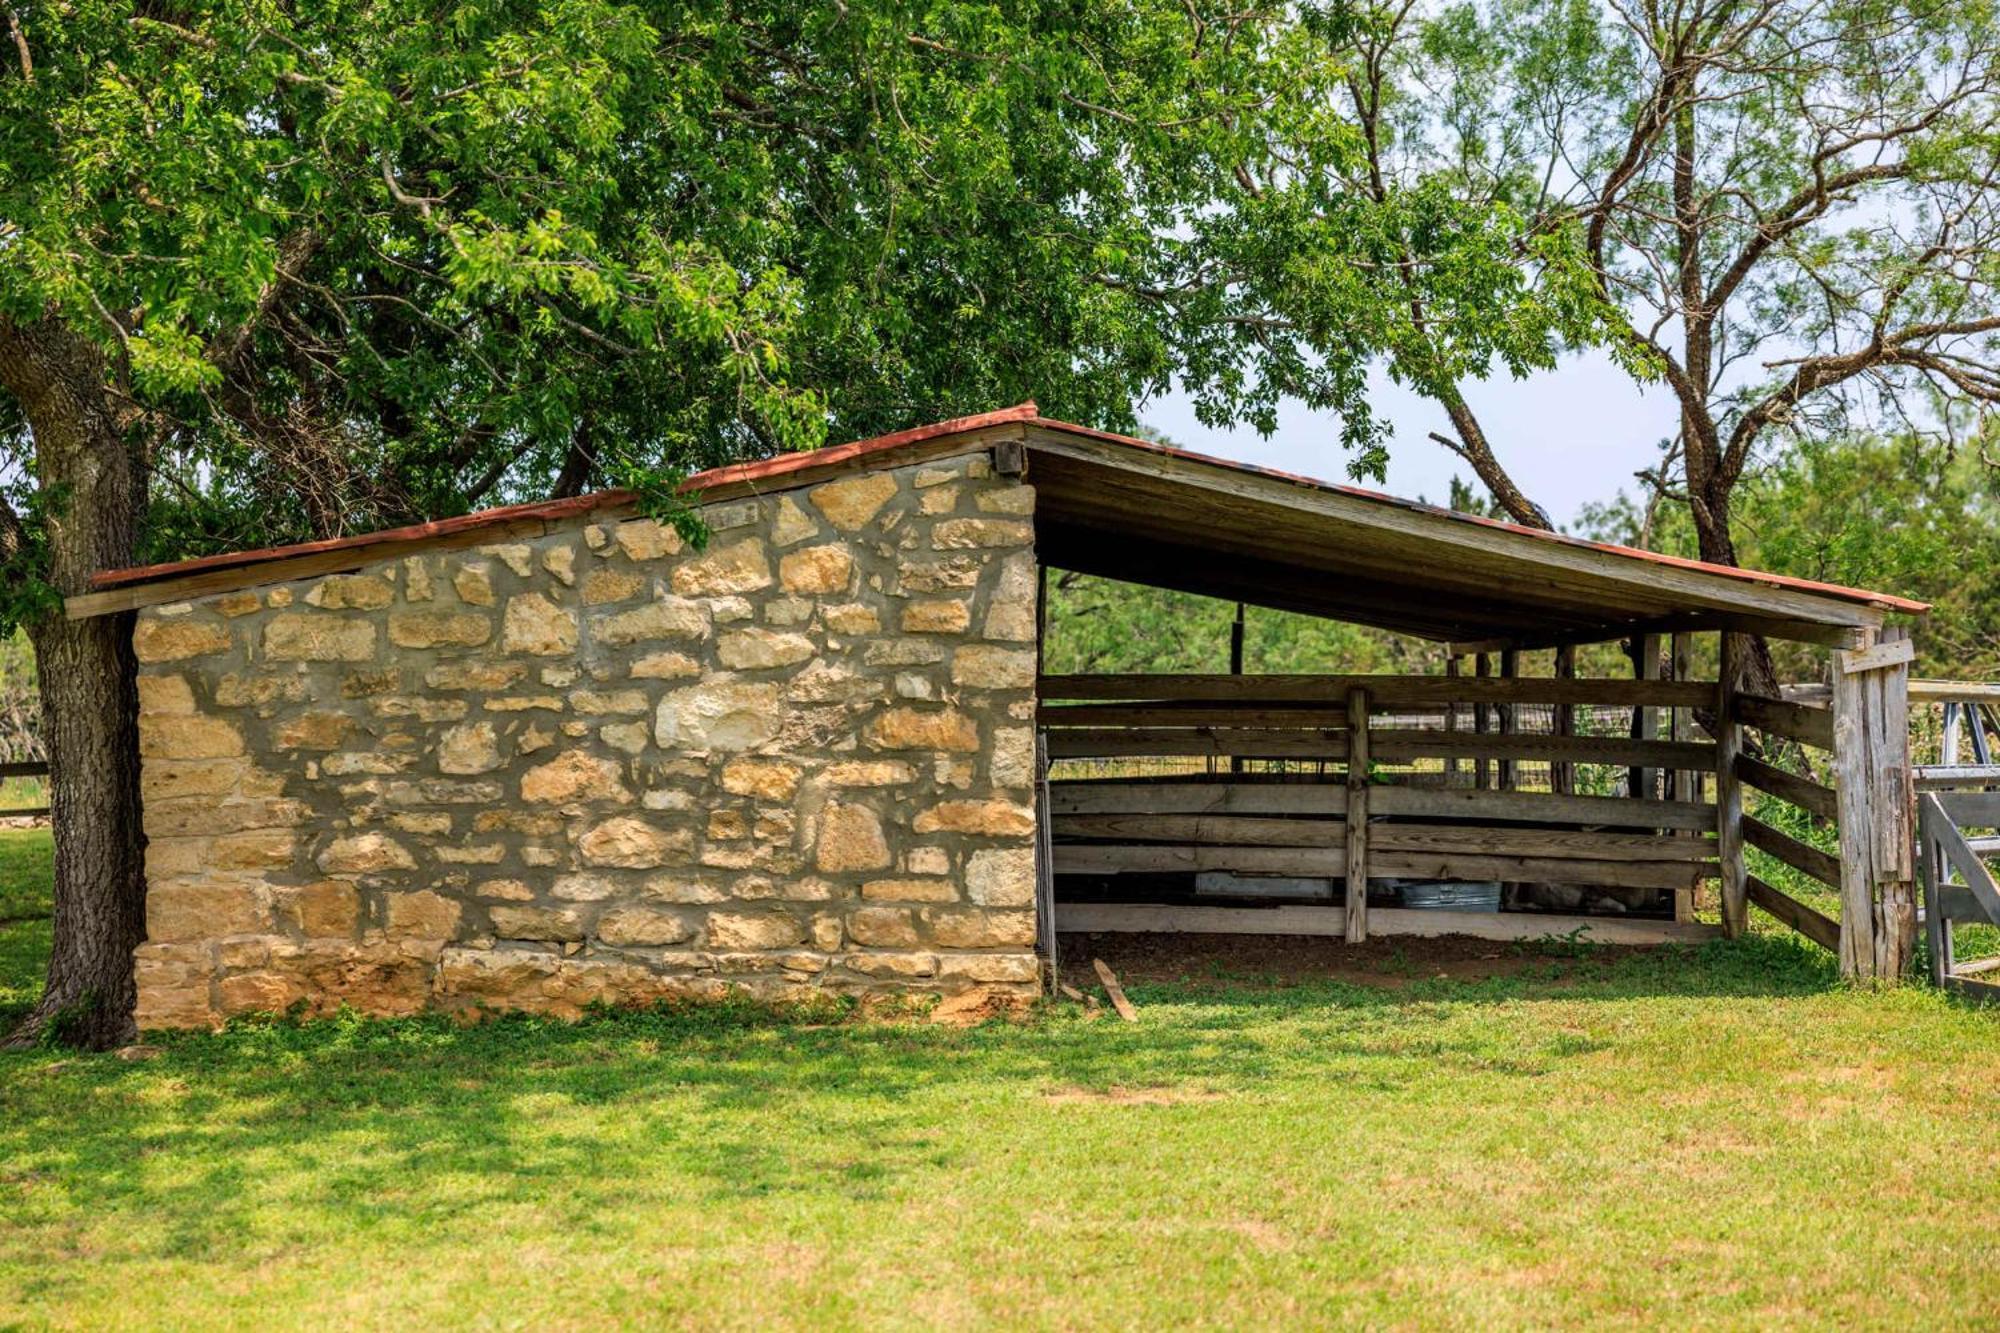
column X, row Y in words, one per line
column 1722, row 1137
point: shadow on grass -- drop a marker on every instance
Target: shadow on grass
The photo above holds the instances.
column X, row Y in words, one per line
column 273, row 1133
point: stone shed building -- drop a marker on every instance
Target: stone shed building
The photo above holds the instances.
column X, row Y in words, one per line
column 547, row 755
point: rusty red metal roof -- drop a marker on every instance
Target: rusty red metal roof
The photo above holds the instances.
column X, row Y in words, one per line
column 1026, row 414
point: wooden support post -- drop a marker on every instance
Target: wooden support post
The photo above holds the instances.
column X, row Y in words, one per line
column 1562, row 773
column 1729, row 792
column 1236, row 669
column 1357, row 816
column 1482, row 666
column 1451, row 720
column 1646, row 719
column 1510, row 667
column 1853, row 793
column 1893, row 801
column 1682, row 784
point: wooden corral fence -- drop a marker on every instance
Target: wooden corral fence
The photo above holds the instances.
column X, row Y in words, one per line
column 1958, row 886
column 1447, row 799
column 26, row 769
column 1365, row 801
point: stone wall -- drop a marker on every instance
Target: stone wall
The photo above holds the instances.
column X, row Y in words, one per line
column 599, row 766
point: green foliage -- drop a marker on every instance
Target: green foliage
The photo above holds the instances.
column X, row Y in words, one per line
column 365, row 261
column 1103, row 625
column 1900, row 514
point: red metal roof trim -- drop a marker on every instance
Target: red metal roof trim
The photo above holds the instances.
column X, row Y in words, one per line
column 735, row 473
column 1026, row 413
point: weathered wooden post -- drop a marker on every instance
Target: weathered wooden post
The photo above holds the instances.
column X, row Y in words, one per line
column 1357, row 815
column 1562, row 773
column 1853, row 797
column 1874, row 791
column 1729, row 790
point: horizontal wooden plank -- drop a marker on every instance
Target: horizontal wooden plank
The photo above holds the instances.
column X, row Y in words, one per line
column 1971, row 809
column 1384, row 691
column 1092, row 918
column 1958, row 903
column 1954, row 691
column 1821, row 929
column 29, row 812
column 1186, row 715
column 1399, row 745
column 1307, row 798
column 1800, row 856
column 27, row 768
column 1808, row 795
column 1247, row 742
column 1949, row 777
column 1794, row 721
column 1895, row 652
column 1237, row 830
column 1117, row 859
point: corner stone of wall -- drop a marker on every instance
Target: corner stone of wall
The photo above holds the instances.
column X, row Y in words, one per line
column 598, row 766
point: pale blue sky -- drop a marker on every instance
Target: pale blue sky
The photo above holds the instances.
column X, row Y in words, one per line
column 1570, row 436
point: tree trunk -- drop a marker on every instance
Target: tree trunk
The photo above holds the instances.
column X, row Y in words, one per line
column 1709, row 506
column 94, row 483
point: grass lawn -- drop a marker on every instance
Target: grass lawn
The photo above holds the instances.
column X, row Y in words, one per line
column 1721, row 1137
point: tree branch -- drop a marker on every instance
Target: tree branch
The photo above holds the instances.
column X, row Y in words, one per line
column 21, row 45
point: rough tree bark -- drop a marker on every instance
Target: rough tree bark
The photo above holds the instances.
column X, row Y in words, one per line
column 88, row 682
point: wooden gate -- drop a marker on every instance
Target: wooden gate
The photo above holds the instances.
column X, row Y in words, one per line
column 1957, row 885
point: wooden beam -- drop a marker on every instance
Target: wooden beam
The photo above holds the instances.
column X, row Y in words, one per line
column 1806, row 794
column 1468, row 839
column 1120, row 859
column 1384, row 691
column 1853, row 791
column 1794, row 721
column 1090, row 918
column 1402, row 744
column 1800, row 856
column 1821, row 929
column 1357, row 817
column 1466, row 805
column 1251, row 742
column 1729, row 792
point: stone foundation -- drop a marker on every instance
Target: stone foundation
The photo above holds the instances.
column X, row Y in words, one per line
column 597, row 766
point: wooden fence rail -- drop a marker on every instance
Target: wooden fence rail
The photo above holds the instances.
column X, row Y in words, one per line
column 29, row 768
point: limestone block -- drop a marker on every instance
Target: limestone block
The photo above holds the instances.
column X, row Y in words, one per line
column 556, row 924
column 170, row 737
column 633, row 844
column 423, row 915
column 204, row 910
column 471, row 748
column 883, row 927
column 850, row 838
column 979, row 928
column 741, row 566
column 365, row 853
column 1001, row 877
column 624, row 927
column 766, row 779
column 664, row 666
column 985, row 667
column 936, row 617
column 791, row 523
column 155, row 640
column 438, row 629
column 303, row 636
column 953, row 534
column 575, row 775
column 319, row 729
column 753, row 930
column 991, row 818
column 666, row 618
column 851, row 502
column 852, row 618
column 351, row 592
column 762, row 649
column 718, row 714
column 611, row 585
column 923, row 729
column 910, row 890
column 165, row 695
column 535, row 625
column 473, row 582
column 816, row 569
column 644, row 539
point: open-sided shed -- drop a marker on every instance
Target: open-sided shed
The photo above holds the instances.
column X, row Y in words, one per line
column 546, row 754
